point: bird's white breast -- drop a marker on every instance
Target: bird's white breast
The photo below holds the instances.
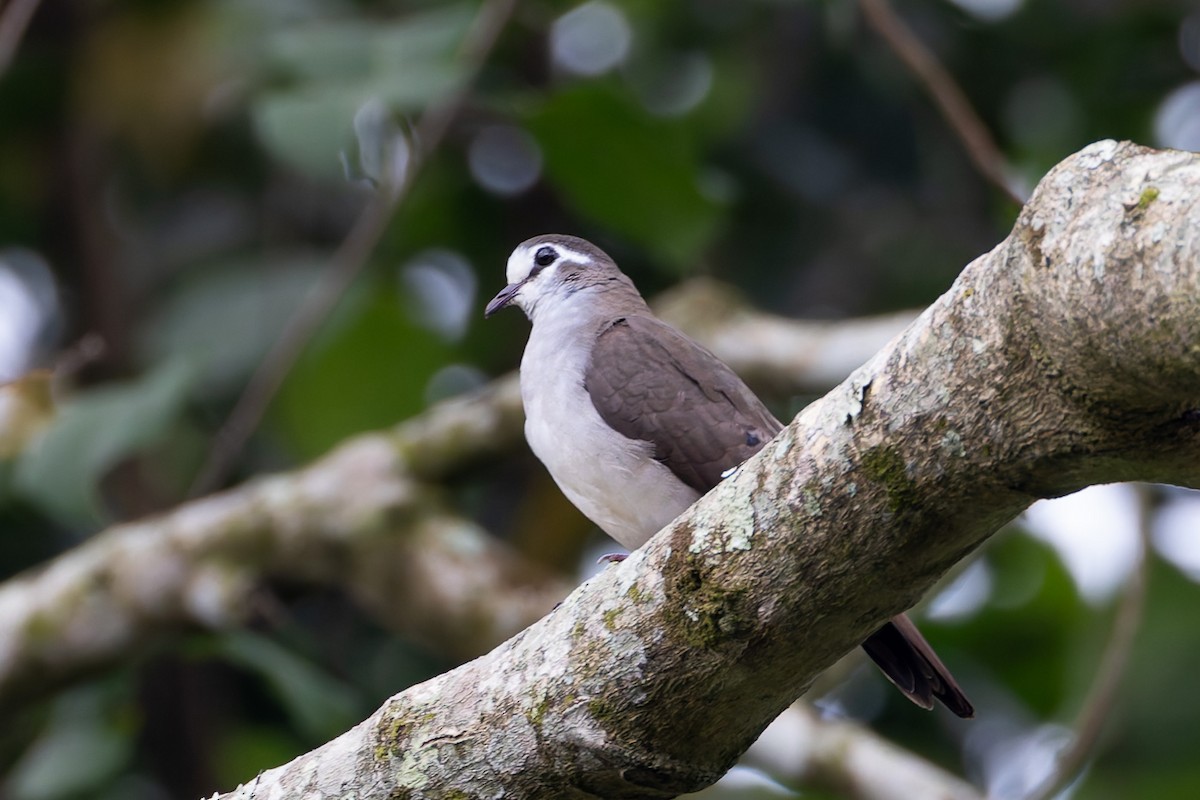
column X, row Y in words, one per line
column 612, row 479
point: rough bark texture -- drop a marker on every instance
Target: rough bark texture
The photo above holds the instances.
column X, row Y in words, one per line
column 1067, row 356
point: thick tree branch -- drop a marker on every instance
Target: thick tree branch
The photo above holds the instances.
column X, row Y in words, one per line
column 1064, row 357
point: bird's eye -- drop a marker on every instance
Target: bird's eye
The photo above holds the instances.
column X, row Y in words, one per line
column 545, row 256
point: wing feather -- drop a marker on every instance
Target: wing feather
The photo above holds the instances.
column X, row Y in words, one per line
column 650, row 382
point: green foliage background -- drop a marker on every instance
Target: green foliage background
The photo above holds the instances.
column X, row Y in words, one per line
column 186, row 168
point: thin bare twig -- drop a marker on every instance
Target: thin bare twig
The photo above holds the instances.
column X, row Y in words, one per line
column 88, row 349
column 1103, row 692
column 347, row 262
column 13, row 22
column 950, row 99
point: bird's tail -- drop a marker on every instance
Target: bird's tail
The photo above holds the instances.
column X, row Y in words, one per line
column 910, row 663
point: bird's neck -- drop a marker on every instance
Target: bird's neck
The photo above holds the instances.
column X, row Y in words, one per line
column 588, row 306
column 565, row 328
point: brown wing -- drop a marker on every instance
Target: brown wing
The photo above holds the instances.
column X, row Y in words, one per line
column 650, row 382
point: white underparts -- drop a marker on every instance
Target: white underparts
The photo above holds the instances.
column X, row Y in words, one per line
column 612, row 479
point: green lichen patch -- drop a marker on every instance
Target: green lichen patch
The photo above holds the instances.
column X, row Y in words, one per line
column 1134, row 209
column 40, row 628
column 537, row 713
column 886, row 466
column 610, row 618
column 636, row 594
column 705, row 613
column 393, row 735
column 811, row 496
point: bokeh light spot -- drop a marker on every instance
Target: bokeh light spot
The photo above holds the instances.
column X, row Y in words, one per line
column 439, row 289
column 28, row 310
column 504, row 159
column 590, row 39
column 673, row 86
column 1177, row 122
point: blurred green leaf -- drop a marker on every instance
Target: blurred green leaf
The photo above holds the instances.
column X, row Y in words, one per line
column 90, row 749
column 627, row 170
column 92, row 432
column 244, row 752
column 333, row 68
column 320, row 705
column 370, row 372
column 351, row 48
column 226, row 317
column 308, row 128
column 83, row 745
column 1032, row 623
column 1150, row 749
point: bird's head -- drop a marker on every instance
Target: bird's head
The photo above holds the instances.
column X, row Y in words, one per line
column 550, row 268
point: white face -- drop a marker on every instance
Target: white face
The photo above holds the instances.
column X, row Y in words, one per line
column 533, row 270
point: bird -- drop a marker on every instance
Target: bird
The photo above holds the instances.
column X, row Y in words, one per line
column 635, row 421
